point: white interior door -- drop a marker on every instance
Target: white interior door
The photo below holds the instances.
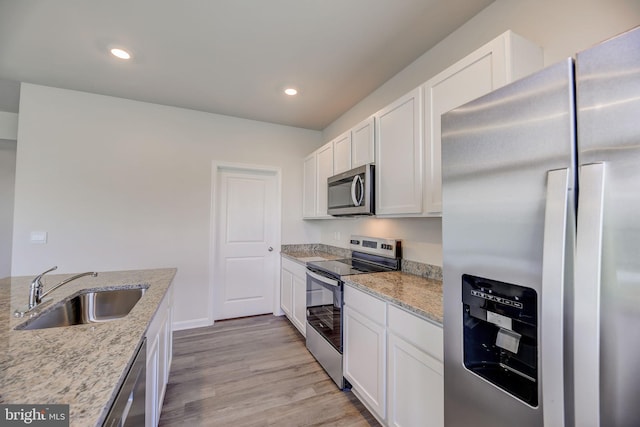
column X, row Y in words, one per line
column 246, row 234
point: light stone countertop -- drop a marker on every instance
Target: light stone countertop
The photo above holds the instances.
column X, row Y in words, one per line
column 303, row 256
column 416, row 294
column 81, row 365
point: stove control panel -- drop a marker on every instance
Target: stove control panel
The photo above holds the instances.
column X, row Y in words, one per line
column 390, row 248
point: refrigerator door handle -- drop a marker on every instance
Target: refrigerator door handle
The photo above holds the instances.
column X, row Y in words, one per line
column 553, row 278
column 587, row 295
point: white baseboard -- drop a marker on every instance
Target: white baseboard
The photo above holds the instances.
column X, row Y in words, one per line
column 191, row 324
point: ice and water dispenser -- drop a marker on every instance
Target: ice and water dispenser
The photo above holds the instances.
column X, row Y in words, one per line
column 500, row 322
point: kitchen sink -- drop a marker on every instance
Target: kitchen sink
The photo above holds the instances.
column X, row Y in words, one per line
column 88, row 307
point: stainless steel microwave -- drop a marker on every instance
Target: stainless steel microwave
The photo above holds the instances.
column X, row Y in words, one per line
column 351, row 193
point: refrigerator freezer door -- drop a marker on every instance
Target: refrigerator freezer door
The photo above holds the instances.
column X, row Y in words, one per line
column 608, row 109
column 497, row 152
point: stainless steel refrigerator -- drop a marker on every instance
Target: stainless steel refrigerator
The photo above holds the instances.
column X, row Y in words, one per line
column 541, row 243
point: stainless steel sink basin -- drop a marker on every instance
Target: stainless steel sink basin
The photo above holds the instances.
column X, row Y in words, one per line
column 88, row 307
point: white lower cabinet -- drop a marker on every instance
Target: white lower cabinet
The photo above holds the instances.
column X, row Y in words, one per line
column 286, row 291
column 293, row 293
column 415, row 371
column 159, row 357
column 364, row 356
column 393, row 360
column 300, row 303
column 152, row 413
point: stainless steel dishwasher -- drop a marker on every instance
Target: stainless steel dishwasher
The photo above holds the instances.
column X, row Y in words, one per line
column 128, row 409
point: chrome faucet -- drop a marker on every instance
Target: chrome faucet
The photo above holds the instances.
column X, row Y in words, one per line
column 35, row 293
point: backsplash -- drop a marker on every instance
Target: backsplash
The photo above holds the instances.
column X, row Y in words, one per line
column 317, row 247
column 427, row 271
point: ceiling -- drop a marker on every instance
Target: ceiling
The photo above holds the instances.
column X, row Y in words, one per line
column 231, row 57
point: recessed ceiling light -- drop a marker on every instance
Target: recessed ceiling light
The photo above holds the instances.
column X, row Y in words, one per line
column 290, row 91
column 120, row 53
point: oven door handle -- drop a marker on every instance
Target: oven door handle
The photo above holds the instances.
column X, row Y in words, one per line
column 323, row 279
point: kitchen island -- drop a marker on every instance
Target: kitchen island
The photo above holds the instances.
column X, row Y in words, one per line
column 81, row 365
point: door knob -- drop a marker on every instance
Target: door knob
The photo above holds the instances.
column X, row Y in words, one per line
column 270, row 249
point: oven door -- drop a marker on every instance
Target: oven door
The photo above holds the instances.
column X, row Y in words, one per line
column 324, row 307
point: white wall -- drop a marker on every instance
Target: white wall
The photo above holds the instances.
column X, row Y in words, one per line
column 421, row 237
column 562, row 28
column 120, row 184
column 8, row 125
column 7, row 182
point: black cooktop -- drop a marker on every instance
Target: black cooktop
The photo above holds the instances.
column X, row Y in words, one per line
column 348, row 266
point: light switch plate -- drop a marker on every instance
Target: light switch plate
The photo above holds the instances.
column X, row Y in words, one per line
column 39, row 237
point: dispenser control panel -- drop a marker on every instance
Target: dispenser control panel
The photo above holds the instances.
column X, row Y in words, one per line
column 500, row 322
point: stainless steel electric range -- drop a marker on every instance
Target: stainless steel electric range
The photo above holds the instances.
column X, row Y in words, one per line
column 324, row 296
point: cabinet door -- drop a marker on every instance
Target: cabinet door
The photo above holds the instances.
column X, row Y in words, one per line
column 362, row 143
column 300, row 303
column 342, row 153
column 286, row 292
column 163, row 373
column 504, row 59
column 462, row 83
column 152, row 412
column 324, row 162
column 416, row 386
column 170, row 333
column 399, row 156
column 365, row 359
column 309, row 187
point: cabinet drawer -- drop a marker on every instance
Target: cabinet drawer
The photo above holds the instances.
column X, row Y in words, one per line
column 294, row 267
column 365, row 304
column 421, row 333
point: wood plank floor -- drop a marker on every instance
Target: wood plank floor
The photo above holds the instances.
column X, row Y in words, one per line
column 253, row 372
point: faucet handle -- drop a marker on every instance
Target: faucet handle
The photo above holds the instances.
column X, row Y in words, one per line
column 35, row 290
column 36, row 281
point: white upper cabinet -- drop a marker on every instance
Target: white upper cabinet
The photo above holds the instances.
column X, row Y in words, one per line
column 351, row 149
column 318, row 167
column 309, row 186
column 324, row 162
column 404, row 138
column 355, row 147
column 501, row 61
column 362, row 143
column 399, row 164
column 342, row 153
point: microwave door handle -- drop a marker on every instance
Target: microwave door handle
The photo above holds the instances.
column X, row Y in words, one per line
column 357, row 182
